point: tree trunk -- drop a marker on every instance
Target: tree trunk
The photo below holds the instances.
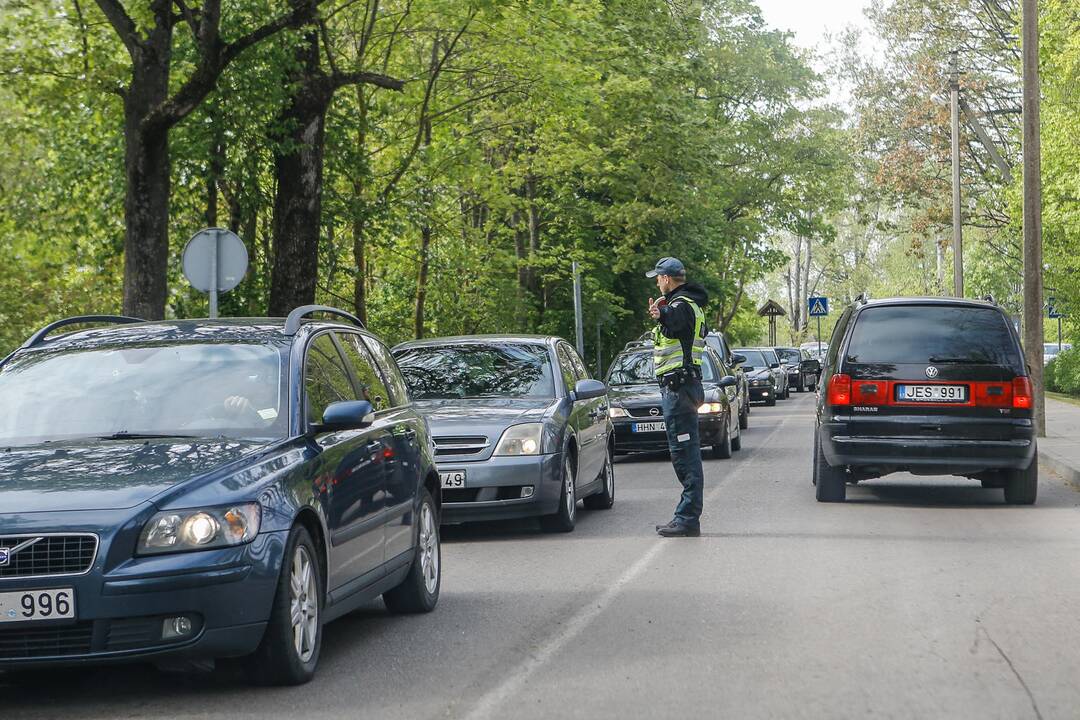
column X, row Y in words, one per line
column 360, row 258
column 147, row 170
column 428, row 201
column 298, row 167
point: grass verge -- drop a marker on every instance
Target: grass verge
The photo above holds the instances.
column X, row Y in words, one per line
column 1064, row 398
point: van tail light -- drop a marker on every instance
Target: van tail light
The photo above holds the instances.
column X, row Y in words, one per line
column 839, row 389
column 993, row 394
column 1022, row 393
column 869, row 392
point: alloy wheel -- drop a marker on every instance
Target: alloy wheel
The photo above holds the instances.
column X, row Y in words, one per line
column 571, row 501
column 429, row 549
column 304, row 606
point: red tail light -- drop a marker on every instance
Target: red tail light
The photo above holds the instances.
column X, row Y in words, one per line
column 1022, row 394
column 869, row 392
column 839, row 389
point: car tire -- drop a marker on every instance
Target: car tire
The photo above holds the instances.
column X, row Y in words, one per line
column 419, row 591
column 562, row 520
column 744, row 416
column 283, row 657
column 604, row 499
column 722, row 450
column 1022, row 486
column 812, row 387
column 736, row 442
column 830, row 483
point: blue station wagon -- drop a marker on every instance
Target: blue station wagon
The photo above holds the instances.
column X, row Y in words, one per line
column 187, row 490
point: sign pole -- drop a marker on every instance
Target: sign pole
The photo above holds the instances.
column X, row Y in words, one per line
column 579, row 328
column 214, row 274
column 1059, row 333
column 819, row 336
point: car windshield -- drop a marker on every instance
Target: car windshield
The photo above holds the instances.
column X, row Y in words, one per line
column 176, row 390
column 924, row 334
column 792, row 357
column 637, row 369
column 754, row 358
column 437, row 372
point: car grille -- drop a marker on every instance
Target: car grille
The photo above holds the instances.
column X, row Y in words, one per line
column 17, row 644
column 49, row 555
column 461, row 445
column 645, row 412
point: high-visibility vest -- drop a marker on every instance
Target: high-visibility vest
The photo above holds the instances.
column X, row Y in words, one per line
column 668, row 352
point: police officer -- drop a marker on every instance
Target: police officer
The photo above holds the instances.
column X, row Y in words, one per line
column 678, row 345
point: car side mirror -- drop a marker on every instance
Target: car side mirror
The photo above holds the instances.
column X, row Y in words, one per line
column 774, row 365
column 588, row 389
column 737, row 359
column 347, row 415
column 728, row 381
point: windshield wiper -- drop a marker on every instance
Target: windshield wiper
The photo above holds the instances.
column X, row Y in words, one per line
column 125, row 435
column 966, row 361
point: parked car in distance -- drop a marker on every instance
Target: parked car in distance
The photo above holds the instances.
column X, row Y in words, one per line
column 637, row 415
column 520, row 428
column 719, row 342
column 767, row 379
column 196, row 489
column 802, row 369
column 930, row 386
column 817, row 350
column 1051, row 351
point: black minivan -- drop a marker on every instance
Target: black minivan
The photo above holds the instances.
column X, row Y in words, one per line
column 930, row 386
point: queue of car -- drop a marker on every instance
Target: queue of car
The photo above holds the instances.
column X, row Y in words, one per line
column 178, row 491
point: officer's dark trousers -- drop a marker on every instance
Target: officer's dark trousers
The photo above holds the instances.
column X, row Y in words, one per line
column 681, row 417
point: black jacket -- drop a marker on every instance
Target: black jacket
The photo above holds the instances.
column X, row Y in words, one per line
column 677, row 318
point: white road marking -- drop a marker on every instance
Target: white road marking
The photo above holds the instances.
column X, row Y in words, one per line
column 490, row 701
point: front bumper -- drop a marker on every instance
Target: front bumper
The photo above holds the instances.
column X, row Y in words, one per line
column 120, row 613
column 761, row 393
column 954, row 453
column 710, row 429
column 494, row 488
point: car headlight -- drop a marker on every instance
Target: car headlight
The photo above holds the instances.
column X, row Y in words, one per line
column 524, row 439
column 617, row 412
column 200, row 529
column 710, row 408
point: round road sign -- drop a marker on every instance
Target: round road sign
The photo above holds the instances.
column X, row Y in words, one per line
column 215, row 249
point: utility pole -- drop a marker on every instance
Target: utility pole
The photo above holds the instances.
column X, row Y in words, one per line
column 579, row 325
column 1033, row 256
column 958, row 239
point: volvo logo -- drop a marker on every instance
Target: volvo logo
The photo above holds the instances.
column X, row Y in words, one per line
column 7, row 553
column 654, row 411
column 931, row 372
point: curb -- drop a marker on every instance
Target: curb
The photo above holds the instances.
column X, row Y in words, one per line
column 1057, row 464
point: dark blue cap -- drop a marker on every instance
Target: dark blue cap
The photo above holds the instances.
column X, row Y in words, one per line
column 667, row 266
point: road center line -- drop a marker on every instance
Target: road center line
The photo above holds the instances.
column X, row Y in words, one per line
column 490, row 701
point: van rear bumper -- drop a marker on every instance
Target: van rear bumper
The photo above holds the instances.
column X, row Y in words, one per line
column 926, row 455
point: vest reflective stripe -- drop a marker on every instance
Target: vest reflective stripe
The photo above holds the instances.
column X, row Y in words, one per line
column 668, row 352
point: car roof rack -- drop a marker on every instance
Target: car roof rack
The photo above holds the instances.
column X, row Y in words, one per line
column 990, row 299
column 864, row 297
column 292, row 323
column 39, row 337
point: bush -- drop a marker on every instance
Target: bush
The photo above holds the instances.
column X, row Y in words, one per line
column 1062, row 374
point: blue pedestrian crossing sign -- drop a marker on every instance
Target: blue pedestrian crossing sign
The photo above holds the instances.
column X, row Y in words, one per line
column 818, row 306
column 1054, row 309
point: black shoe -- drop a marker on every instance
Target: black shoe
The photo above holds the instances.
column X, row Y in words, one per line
column 677, row 529
column 670, row 524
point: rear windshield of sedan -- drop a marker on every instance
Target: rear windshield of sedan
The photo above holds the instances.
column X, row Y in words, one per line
column 925, row 334
column 637, row 369
column 440, row 372
column 789, row 356
column 176, row 390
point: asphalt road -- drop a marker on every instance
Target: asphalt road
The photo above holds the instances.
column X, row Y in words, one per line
column 917, row 598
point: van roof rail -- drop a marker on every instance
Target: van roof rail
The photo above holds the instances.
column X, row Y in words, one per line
column 863, row 298
column 990, row 299
column 39, row 337
column 292, row 323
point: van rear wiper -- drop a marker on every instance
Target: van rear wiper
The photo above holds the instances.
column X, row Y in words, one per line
column 125, row 435
column 966, row 361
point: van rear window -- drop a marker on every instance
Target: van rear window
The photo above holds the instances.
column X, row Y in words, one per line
column 927, row 334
